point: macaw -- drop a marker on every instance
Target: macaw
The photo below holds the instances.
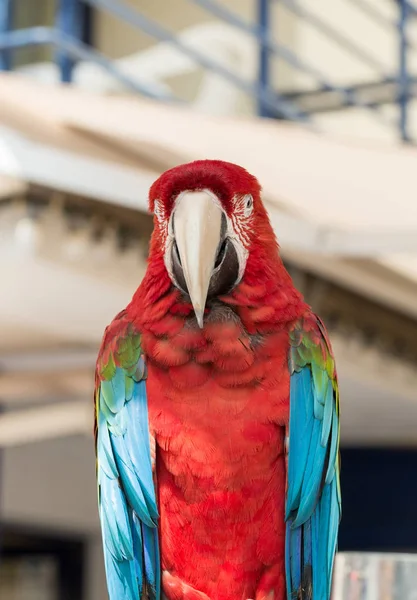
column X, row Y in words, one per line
column 216, row 402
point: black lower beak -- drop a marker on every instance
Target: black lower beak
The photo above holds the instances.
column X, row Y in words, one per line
column 225, row 273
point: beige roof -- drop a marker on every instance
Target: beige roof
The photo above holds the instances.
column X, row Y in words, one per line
column 347, row 211
column 331, row 182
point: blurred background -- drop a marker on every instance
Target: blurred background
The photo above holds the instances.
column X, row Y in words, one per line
column 97, row 98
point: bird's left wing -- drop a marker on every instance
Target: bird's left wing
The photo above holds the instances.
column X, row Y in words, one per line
column 126, row 493
column 313, row 505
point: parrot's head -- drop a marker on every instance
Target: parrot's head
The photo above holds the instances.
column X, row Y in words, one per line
column 211, row 230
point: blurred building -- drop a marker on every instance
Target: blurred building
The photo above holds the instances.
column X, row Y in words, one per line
column 154, row 84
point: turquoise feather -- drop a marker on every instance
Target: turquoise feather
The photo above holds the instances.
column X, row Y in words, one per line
column 313, row 496
column 299, row 446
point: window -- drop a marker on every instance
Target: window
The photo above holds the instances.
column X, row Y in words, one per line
column 36, row 566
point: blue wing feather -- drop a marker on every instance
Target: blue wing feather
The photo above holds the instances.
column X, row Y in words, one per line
column 334, row 446
column 301, row 387
column 151, row 558
column 120, row 578
column 127, row 500
column 313, row 492
column 327, row 415
column 137, row 540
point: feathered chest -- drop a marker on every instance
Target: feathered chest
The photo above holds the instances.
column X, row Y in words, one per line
column 216, row 395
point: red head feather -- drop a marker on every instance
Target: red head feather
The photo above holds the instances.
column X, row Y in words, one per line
column 224, row 179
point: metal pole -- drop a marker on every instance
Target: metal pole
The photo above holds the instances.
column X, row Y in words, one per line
column 403, row 79
column 68, row 21
column 264, row 55
column 6, row 24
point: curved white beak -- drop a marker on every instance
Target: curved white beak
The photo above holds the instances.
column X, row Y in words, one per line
column 197, row 229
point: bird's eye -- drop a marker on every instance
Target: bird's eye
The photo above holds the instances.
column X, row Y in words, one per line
column 248, row 204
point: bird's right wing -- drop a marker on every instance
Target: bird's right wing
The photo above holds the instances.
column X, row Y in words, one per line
column 126, row 493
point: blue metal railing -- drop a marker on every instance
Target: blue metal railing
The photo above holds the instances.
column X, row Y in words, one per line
column 75, row 51
column 268, row 45
column 68, row 22
column 403, row 82
column 264, row 68
column 6, row 23
column 270, row 100
column 66, row 39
